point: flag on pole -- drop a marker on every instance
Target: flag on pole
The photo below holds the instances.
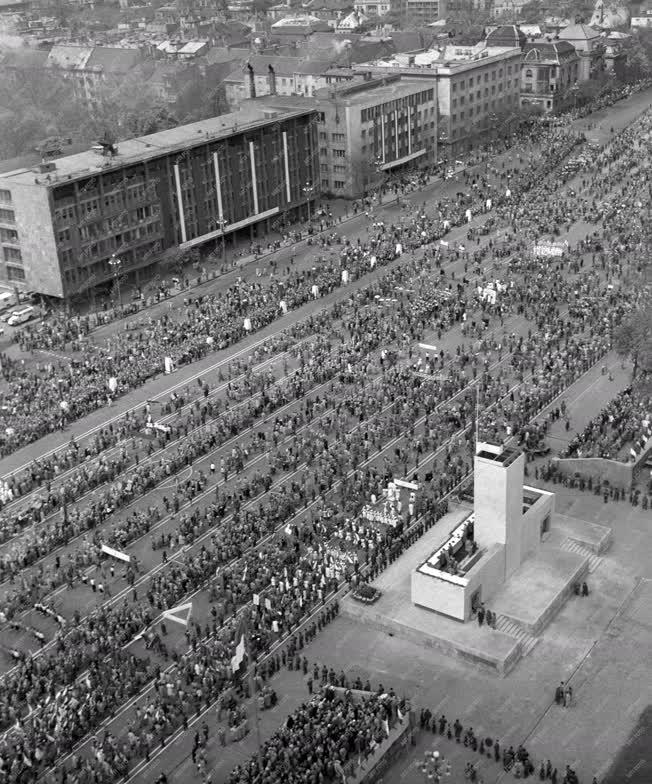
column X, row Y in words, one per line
column 241, row 645
column 386, row 726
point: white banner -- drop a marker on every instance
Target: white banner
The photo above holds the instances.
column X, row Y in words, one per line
column 169, row 365
column 405, row 484
column 116, row 553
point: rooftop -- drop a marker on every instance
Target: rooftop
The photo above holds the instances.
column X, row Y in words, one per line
column 578, row 32
column 89, row 162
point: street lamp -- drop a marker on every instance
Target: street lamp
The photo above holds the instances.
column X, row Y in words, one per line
column 378, row 163
column 308, row 189
column 115, row 263
column 434, row 767
column 222, row 223
column 443, row 140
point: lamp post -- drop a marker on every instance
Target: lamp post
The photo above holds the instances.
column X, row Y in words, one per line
column 222, row 223
column 378, row 163
column 308, row 189
column 434, row 767
column 115, row 263
column 443, row 140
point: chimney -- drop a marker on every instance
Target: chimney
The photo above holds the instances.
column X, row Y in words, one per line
column 272, row 79
column 252, row 82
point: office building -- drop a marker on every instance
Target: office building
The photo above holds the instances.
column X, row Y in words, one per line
column 370, row 128
column 476, row 87
column 74, row 222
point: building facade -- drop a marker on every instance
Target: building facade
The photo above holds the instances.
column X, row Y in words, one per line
column 476, row 87
column 425, row 11
column 370, row 128
column 64, row 223
column 589, row 45
column 549, row 75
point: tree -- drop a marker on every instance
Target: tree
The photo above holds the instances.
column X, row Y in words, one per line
column 633, row 340
column 127, row 110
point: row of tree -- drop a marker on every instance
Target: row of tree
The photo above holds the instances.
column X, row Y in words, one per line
column 40, row 105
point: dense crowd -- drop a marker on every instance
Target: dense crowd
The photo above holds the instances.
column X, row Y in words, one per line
column 270, row 559
column 620, row 431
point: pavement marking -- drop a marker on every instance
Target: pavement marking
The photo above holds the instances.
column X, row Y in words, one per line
column 54, row 354
column 640, row 764
column 176, row 479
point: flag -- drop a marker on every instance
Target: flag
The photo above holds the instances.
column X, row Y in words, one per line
column 386, row 726
column 632, row 452
column 401, row 716
column 241, row 646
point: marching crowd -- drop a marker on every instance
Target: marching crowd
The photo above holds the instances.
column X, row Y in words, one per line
column 336, row 441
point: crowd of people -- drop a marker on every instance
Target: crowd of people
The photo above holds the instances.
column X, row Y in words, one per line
column 388, row 410
column 620, row 431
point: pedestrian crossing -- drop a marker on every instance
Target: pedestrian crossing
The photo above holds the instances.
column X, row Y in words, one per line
column 508, row 626
column 573, row 546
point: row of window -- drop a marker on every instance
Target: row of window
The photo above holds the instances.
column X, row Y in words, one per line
column 15, row 273
column 399, row 103
column 478, row 95
column 478, row 79
column 12, row 254
column 8, row 235
column 338, row 185
column 480, row 109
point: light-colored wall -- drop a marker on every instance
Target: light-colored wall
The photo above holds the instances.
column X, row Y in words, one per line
column 440, row 595
column 531, row 523
column 452, row 597
column 31, row 204
column 498, row 506
column 488, row 573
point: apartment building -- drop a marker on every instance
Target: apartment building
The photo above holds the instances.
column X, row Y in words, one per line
column 368, row 129
column 475, row 86
column 64, row 222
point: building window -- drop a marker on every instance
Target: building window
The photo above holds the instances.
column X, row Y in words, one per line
column 339, row 153
column 339, row 185
column 7, row 216
column 5, row 196
column 15, row 273
column 339, row 169
column 324, row 185
column 8, row 235
column 321, row 117
column 323, row 167
column 338, row 137
column 323, row 136
column 12, row 254
column 528, row 73
column 323, row 152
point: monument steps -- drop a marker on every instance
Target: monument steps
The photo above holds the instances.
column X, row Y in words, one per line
column 573, row 546
column 508, row 626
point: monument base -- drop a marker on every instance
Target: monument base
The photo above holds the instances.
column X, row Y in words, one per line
column 537, row 591
column 395, row 614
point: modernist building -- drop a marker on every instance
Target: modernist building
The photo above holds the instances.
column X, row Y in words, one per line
column 549, row 75
column 475, row 87
column 65, row 223
column 369, row 127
